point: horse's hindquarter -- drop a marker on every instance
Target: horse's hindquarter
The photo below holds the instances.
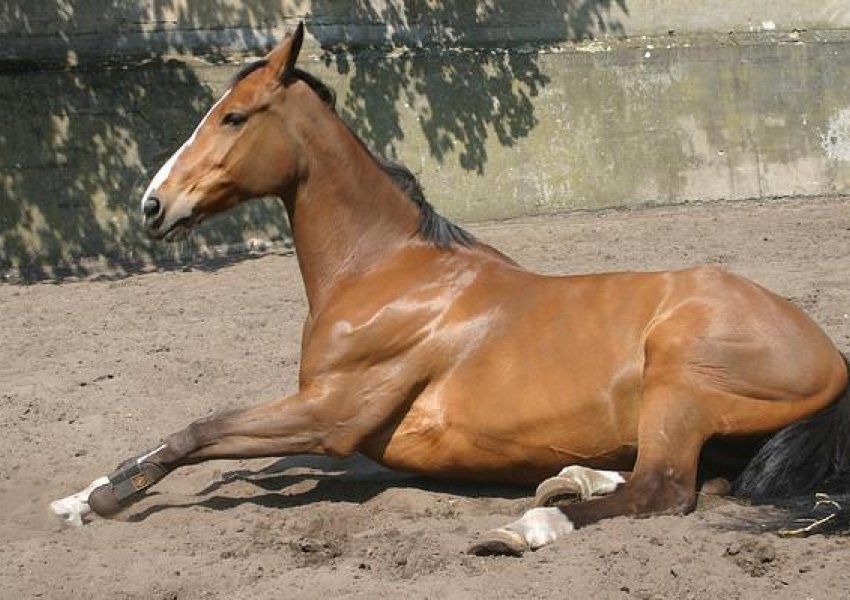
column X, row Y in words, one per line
column 757, row 362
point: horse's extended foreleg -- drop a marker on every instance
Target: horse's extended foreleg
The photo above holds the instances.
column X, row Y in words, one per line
column 663, row 482
column 307, row 423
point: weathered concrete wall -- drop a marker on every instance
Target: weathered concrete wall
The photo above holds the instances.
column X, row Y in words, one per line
column 39, row 28
column 77, row 149
column 502, row 108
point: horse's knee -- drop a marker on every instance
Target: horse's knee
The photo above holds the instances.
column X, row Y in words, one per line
column 647, row 494
column 177, row 448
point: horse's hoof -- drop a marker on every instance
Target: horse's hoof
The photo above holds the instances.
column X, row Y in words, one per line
column 104, row 502
column 719, row 486
column 499, row 542
column 556, row 490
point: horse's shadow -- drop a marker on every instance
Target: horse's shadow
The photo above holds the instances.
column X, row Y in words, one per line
column 354, row 480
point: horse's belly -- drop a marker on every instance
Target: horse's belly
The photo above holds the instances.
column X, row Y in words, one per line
column 432, row 439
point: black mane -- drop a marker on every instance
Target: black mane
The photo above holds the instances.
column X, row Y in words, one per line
column 433, row 227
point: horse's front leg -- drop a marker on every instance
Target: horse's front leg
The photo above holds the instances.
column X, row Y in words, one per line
column 315, row 421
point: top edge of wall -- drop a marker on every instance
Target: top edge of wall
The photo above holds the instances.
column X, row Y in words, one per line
column 54, row 31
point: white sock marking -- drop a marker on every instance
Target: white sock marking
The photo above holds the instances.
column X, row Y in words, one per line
column 73, row 508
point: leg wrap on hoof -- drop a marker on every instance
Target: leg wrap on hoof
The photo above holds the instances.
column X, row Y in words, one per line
column 126, row 485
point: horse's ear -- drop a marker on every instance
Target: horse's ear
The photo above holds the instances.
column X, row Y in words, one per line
column 282, row 58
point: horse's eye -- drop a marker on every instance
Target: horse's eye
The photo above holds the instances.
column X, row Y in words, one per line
column 234, row 119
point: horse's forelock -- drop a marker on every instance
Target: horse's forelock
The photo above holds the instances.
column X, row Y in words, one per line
column 247, row 70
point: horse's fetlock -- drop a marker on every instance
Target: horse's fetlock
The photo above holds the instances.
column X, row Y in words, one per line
column 181, row 443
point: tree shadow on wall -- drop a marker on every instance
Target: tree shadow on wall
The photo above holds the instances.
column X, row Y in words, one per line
column 468, row 70
column 79, row 143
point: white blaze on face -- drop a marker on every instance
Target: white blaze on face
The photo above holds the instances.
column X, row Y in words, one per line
column 165, row 170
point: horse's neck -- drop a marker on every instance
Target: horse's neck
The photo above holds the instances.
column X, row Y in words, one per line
column 347, row 214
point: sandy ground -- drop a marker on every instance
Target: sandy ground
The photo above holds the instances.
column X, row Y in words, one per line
column 93, row 372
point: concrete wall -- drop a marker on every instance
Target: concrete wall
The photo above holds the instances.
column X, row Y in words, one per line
column 502, row 108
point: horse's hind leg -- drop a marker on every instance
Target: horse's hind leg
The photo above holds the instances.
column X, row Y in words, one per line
column 671, row 432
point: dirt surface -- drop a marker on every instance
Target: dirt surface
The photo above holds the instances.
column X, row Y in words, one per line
column 93, row 372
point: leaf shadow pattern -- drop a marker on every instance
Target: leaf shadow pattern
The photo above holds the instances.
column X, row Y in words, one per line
column 467, row 70
column 90, row 117
column 83, row 131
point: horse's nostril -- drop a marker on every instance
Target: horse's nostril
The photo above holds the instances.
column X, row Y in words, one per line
column 151, row 207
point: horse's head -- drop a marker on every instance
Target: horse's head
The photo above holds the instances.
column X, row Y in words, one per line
column 240, row 150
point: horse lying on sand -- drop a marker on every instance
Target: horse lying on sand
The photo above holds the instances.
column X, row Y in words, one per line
column 432, row 353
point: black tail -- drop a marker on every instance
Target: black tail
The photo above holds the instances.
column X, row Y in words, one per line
column 811, row 456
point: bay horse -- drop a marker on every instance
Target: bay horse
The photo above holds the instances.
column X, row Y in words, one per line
column 433, row 353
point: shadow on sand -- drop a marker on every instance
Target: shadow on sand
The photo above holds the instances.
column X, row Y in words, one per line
column 356, row 479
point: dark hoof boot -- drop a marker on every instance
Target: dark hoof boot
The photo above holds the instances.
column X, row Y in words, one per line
column 104, row 502
column 126, row 485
